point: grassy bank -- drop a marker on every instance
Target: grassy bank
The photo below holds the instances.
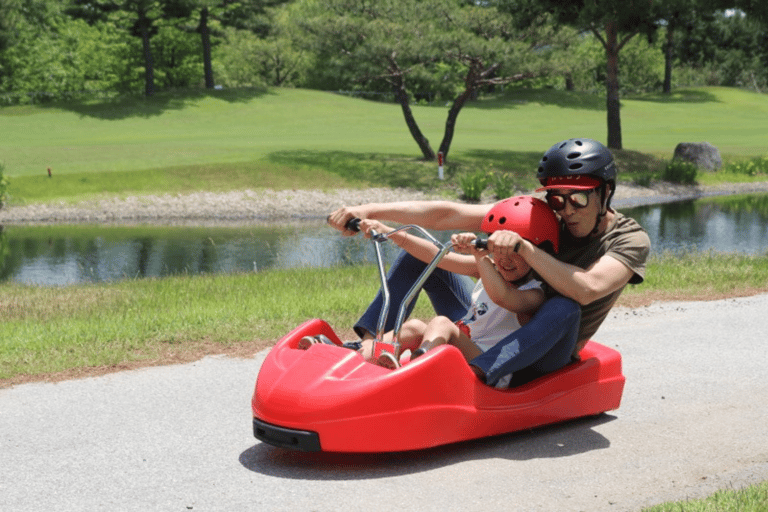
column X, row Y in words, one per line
column 224, row 140
column 749, row 499
column 52, row 330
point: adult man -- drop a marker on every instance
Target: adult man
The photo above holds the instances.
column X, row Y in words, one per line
column 601, row 252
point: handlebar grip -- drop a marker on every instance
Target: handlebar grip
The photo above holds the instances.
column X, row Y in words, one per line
column 353, row 224
column 482, row 243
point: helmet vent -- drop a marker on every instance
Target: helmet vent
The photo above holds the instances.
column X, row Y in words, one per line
column 575, row 154
column 502, row 220
column 576, row 166
column 490, row 218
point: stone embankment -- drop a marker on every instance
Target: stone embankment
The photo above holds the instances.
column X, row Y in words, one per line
column 269, row 206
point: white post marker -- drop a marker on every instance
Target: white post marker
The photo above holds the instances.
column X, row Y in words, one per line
column 440, row 165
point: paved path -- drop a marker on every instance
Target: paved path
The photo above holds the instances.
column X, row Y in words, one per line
column 177, row 438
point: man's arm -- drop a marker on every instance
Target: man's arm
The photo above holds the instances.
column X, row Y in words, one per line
column 603, row 277
column 440, row 215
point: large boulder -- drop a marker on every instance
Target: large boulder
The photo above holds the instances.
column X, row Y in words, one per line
column 702, row 154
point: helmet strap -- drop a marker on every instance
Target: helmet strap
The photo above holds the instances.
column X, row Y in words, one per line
column 605, row 200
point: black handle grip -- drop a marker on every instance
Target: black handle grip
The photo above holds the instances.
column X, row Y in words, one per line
column 353, row 224
column 482, row 243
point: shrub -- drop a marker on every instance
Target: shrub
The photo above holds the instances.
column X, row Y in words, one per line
column 752, row 167
column 680, row 171
column 472, row 185
column 502, row 185
column 644, row 180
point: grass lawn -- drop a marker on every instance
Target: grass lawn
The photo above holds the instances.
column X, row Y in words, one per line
column 299, row 138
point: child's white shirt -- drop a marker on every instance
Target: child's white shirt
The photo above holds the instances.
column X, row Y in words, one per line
column 488, row 322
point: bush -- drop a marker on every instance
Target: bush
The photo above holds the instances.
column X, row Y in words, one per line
column 643, row 180
column 752, row 167
column 680, row 171
column 472, row 185
column 502, row 185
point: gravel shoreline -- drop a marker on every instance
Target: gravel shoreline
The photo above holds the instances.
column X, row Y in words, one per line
column 269, row 206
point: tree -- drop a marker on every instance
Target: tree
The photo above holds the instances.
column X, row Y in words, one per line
column 755, row 9
column 438, row 49
column 201, row 11
column 45, row 55
column 613, row 22
column 676, row 14
column 728, row 48
column 138, row 17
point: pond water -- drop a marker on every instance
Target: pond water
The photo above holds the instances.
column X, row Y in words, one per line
column 60, row 255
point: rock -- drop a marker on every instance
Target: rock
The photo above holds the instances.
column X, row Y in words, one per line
column 703, row 154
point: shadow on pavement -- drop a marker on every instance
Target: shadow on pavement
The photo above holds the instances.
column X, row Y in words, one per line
column 560, row 440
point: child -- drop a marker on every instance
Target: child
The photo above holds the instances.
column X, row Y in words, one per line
column 504, row 298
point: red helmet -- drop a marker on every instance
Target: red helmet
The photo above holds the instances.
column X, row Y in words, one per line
column 528, row 216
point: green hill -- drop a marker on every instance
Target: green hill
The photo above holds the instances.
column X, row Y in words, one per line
column 287, row 137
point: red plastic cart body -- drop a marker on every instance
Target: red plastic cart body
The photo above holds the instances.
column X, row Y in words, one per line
column 328, row 398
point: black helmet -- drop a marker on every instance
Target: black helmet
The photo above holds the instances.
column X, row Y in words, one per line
column 578, row 157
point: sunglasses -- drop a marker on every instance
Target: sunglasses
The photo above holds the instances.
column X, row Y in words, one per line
column 578, row 199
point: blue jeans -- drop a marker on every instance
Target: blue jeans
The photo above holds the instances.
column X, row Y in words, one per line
column 543, row 345
column 450, row 294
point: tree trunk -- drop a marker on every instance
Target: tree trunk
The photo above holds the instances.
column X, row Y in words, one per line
column 612, row 86
column 205, row 36
column 569, row 82
column 401, row 96
column 149, row 65
column 669, row 51
column 450, row 121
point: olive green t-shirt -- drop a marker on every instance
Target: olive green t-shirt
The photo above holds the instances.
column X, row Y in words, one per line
column 624, row 240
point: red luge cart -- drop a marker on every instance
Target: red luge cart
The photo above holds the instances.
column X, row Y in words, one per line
column 329, row 398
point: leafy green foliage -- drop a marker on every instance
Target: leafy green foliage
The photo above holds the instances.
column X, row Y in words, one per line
column 502, row 185
column 473, row 184
column 752, row 167
column 725, row 50
column 680, row 171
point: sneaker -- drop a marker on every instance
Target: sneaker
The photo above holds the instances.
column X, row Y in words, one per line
column 504, row 382
column 353, row 345
column 322, row 338
column 388, row 360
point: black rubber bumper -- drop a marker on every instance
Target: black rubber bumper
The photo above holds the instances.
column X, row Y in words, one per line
column 302, row 440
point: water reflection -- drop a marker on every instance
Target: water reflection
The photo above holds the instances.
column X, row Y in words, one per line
column 60, row 255
column 725, row 224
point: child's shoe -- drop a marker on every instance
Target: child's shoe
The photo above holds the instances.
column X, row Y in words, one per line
column 353, row 345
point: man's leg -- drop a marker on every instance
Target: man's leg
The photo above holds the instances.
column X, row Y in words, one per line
column 546, row 343
column 450, row 294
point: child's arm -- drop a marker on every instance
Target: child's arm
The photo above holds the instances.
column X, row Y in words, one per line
column 423, row 249
column 504, row 294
